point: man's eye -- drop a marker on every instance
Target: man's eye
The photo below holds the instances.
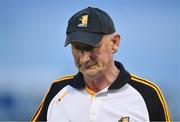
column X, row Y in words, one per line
column 89, row 48
column 77, row 47
column 84, row 47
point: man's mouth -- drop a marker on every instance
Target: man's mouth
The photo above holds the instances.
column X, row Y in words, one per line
column 89, row 64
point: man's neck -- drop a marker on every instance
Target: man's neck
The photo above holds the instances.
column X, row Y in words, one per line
column 102, row 80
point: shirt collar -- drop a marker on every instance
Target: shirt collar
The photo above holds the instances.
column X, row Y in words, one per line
column 120, row 81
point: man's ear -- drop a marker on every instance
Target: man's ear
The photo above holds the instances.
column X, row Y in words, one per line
column 116, row 42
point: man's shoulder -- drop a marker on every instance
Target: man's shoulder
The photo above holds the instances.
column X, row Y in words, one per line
column 63, row 80
column 57, row 86
column 152, row 96
column 142, row 82
column 149, row 90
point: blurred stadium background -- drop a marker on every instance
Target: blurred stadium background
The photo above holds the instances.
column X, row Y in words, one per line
column 32, row 34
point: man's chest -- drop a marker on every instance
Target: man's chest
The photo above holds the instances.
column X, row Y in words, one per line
column 72, row 105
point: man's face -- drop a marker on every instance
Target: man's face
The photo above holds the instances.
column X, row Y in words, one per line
column 92, row 61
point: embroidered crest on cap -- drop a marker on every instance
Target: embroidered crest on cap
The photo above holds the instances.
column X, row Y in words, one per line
column 124, row 119
column 83, row 21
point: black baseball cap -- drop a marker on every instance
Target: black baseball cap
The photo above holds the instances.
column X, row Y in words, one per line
column 88, row 26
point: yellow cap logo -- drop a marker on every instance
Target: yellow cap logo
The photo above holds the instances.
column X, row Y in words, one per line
column 124, row 119
column 83, row 21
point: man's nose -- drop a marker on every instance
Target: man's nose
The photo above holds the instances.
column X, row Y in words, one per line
column 84, row 57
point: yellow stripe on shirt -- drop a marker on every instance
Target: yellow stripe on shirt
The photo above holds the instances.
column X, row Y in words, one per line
column 160, row 95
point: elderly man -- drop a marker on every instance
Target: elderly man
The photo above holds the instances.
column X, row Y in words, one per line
column 102, row 90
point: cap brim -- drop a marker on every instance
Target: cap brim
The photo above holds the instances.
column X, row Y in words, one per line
column 83, row 37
